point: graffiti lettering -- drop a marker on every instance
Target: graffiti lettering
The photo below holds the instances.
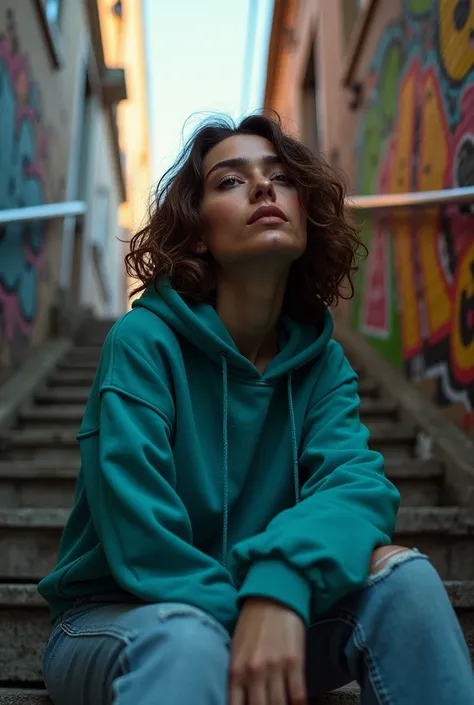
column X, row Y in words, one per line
column 23, row 149
column 428, row 143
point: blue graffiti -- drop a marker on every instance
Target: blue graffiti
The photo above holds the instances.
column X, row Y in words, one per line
column 18, row 188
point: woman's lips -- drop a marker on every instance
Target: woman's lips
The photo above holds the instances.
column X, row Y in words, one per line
column 268, row 220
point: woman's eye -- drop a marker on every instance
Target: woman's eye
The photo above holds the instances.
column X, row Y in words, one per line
column 228, row 181
column 281, row 177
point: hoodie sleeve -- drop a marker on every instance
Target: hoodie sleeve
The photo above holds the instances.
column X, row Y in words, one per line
column 143, row 526
column 317, row 552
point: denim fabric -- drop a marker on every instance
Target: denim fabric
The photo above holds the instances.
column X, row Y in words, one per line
column 399, row 638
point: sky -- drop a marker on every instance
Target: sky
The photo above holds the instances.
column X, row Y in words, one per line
column 198, row 62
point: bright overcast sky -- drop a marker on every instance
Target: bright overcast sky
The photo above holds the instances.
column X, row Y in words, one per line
column 197, row 63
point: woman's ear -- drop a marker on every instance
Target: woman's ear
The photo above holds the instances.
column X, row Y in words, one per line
column 200, row 248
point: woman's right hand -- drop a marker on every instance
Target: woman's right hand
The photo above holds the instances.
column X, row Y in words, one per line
column 267, row 657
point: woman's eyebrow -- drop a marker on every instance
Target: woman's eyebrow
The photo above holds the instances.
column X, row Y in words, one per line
column 242, row 161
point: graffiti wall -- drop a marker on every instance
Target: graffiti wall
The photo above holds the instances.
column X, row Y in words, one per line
column 24, row 148
column 415, row 298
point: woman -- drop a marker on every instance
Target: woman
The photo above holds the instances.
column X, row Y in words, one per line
column 228, row 510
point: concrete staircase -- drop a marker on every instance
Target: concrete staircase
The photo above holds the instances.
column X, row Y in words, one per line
column 39, row 460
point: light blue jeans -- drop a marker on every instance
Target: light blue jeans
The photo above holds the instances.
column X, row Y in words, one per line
column 399, row 638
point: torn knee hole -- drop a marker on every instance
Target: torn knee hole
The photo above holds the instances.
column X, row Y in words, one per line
column 382, row 555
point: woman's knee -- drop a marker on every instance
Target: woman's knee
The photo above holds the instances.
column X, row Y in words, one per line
column 410, row 582
column 181, row 642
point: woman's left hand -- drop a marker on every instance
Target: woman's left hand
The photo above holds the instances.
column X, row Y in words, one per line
column 268, row 654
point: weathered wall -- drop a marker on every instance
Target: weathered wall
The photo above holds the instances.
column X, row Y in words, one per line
column 34, row 124
column 415, row 132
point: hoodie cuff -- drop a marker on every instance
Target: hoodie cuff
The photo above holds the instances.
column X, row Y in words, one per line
column 275, row 580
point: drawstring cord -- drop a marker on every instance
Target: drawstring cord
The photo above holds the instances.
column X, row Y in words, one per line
column 225, row 445
column 294, row 441
column 225, row 451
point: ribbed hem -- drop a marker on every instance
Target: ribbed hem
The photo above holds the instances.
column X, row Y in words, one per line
column 277, row 581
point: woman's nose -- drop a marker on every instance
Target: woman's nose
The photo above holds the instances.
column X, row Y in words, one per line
column 263, row 188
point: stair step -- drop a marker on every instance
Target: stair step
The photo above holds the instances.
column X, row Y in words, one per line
column 83, row 352
column 81, row 378
column 78, row 365
column 368, row 388
column 35, row 484
column 53, row 413
column 63, row 395
column 29, row 539
column 15, row 696
column 25, row 627
column 373, row 407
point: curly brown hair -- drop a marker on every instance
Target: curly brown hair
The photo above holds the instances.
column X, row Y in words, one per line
column 166, row 245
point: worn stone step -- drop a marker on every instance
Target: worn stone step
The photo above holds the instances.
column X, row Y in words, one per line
column 85, row 351
column 371, row 407
column 15, row 696
column 52, row 414
column 29, row 539
column 368, row 388
column 63, row 395
column 78, row 365
column 71, row 378
column 33, row 484
column 420, row 482
column 25, row 627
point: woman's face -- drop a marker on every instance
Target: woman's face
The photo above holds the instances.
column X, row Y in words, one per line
column 250, row 207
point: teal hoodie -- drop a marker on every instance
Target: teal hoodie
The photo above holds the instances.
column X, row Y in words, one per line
column 204, row 481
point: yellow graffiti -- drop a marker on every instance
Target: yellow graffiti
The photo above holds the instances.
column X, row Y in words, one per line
column 431, row 176
column 456, row 31
column 400, row 182
column 462, row 354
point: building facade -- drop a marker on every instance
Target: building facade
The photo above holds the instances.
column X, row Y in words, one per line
column 386, row 91
column 63, row 140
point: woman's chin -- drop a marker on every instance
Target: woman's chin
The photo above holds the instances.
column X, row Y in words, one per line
column 278, row 241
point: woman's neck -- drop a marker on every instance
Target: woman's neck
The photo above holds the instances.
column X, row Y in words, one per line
column 249, row 304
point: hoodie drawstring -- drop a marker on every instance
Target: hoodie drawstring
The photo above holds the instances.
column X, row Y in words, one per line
column 225, row 452
column 294, row 441
column 225, row 463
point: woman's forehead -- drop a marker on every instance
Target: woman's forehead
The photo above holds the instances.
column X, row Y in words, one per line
column 248, row 147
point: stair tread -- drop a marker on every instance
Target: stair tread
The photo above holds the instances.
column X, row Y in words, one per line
column 31, row 469
column 15, row 696
column 447, row 520
column 66, row 395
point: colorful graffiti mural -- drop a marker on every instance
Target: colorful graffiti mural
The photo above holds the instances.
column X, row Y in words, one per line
column 415, row 300
column 23, row 154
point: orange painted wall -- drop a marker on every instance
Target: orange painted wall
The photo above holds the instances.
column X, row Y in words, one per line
column 124, row 46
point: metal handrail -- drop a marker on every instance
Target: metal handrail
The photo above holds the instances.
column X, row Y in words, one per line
column 48, row 211
column 384, row 201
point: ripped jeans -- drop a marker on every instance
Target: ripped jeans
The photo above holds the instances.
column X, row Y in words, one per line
column 398, row 637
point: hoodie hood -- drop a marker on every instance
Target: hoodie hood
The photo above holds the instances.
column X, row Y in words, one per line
column 199, row 323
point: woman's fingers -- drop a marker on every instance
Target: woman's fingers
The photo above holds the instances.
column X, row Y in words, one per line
column 237, row 695
column 296, row 684
column 277, row 688
column 257, row 692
